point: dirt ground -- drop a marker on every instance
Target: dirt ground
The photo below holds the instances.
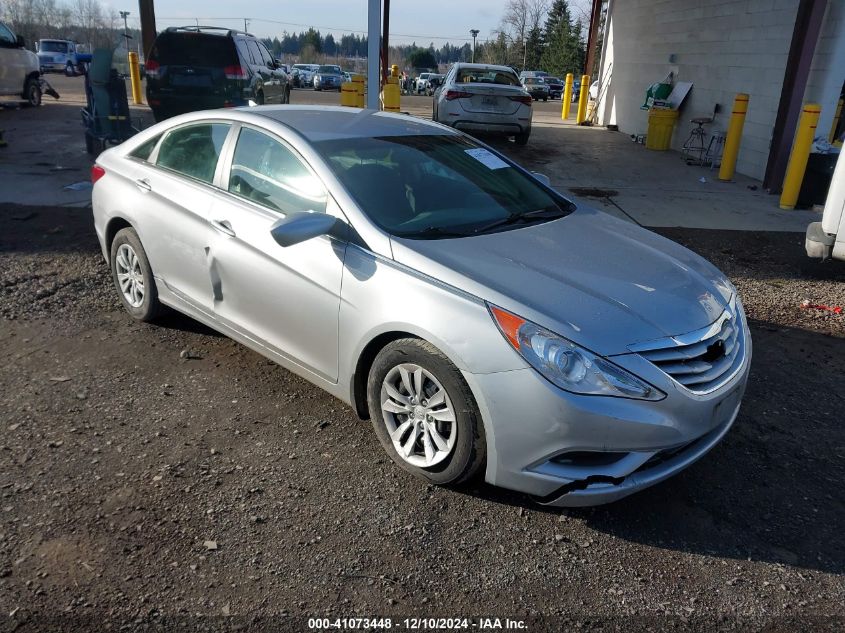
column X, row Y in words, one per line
column 141, row 490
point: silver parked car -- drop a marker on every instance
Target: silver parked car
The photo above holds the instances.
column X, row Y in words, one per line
column 480, row 319
column 484, row 98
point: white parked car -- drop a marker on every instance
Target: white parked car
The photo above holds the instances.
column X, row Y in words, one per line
column 19, row 70
column 421, row 84
column 484, row 98
column 826, row 239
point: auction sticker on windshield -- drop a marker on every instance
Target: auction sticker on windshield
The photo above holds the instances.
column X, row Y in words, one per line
column 486, row 158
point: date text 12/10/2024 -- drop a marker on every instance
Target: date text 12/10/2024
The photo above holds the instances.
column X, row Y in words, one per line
column 417, row 624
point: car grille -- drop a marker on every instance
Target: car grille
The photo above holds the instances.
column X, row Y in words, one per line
column 704, row 360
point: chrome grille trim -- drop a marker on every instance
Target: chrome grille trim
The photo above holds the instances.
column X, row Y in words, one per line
column 684, row 358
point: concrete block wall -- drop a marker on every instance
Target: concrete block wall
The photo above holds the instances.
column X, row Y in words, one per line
column 722, row 46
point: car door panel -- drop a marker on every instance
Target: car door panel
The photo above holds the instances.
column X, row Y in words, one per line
column 287, row 297
column 176, row 206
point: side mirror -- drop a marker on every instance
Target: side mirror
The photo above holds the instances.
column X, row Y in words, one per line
column 542, row 178
column 301, row 227
column 21, row 42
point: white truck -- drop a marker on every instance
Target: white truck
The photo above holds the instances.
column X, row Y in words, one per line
column 19, row 73
column 826, row 239
column 62, row 56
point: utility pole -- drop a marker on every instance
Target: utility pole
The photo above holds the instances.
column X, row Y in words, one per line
column 246, row 25
column 474, row 33
column 373, row 36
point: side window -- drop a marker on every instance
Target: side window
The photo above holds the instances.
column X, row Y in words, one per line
column 244, row 51
column 256, row 53
column 144, row 150
column 265, row 54
column 6, row 36
column 269, row 173
column 193, row 150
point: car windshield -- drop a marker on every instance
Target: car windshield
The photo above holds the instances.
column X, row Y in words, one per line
column 330, row 70
column 432, row 186
column 486, row 76
column 53, row 47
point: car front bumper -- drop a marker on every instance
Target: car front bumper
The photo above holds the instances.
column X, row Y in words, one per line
column 538, row 435
column 53, row 66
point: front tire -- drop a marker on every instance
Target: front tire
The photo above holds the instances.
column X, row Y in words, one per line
column 423, row 413
column 133, row 277
column 70, row 71
column 32, row 92
column 522, row 139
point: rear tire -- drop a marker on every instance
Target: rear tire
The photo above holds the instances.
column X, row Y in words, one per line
column 70, row 71
column 522, row 139
column 287, row 95
column 129, row 263
column 458, row 449
column 32, row 92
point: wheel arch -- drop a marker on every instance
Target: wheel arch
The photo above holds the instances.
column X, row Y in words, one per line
column 115, row 224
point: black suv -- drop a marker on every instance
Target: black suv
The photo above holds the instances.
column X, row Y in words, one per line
column 202, row 67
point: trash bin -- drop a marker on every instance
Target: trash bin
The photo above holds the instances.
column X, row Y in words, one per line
column 660, row 126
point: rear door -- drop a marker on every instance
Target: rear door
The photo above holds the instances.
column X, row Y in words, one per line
column 176, row 197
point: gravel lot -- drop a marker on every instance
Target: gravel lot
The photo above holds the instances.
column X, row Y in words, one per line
column 140, row 489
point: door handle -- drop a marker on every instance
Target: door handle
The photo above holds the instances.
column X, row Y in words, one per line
column 144, row 185
column 224, row 227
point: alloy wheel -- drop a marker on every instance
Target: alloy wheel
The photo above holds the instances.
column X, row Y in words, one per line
column 418, row 414
column 130, row 276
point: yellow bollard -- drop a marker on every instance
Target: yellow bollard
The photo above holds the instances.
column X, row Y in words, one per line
column 733, row 138
column 348, row 94
column 358, row 81
column 832, row 136
column 800, row 155
column 582, row 100
column 135, row 76
column 567, row 97
column 394, row 70
column 390, row 96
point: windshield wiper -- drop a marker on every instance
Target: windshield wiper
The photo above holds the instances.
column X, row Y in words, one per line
column 433, row 231
column 513, row 218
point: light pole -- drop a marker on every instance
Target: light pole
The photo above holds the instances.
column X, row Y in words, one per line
column 474, row 33
column 124, row 15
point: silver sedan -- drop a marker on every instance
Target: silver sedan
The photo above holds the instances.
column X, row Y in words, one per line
column 484, row 98
column 482, row 321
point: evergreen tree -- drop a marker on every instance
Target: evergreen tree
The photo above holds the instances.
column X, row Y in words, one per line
column 563, row 50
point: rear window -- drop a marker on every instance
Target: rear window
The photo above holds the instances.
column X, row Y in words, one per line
column 486, row 76
column 193, row 49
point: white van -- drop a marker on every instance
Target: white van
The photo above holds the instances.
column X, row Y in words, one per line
column 19, row 70
column 827, row 238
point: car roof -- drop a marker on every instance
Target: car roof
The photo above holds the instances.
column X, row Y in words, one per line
column 463, row 66
column 323, row 123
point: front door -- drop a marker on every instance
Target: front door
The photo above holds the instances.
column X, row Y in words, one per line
column 287, row 298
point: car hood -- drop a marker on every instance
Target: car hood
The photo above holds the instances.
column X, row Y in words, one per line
column 601, row 282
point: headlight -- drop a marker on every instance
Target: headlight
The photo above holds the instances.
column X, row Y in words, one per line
column 567, row 365
column 318, row 78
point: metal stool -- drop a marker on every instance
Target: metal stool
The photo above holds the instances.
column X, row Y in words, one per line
column 694, row 150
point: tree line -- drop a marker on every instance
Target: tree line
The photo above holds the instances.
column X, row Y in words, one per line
column 532, row 35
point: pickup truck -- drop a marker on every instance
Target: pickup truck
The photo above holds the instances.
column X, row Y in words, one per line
column 826, row 239
column 62, row 56
column 19, row 74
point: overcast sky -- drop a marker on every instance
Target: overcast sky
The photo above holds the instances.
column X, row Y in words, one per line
column 423, row 21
